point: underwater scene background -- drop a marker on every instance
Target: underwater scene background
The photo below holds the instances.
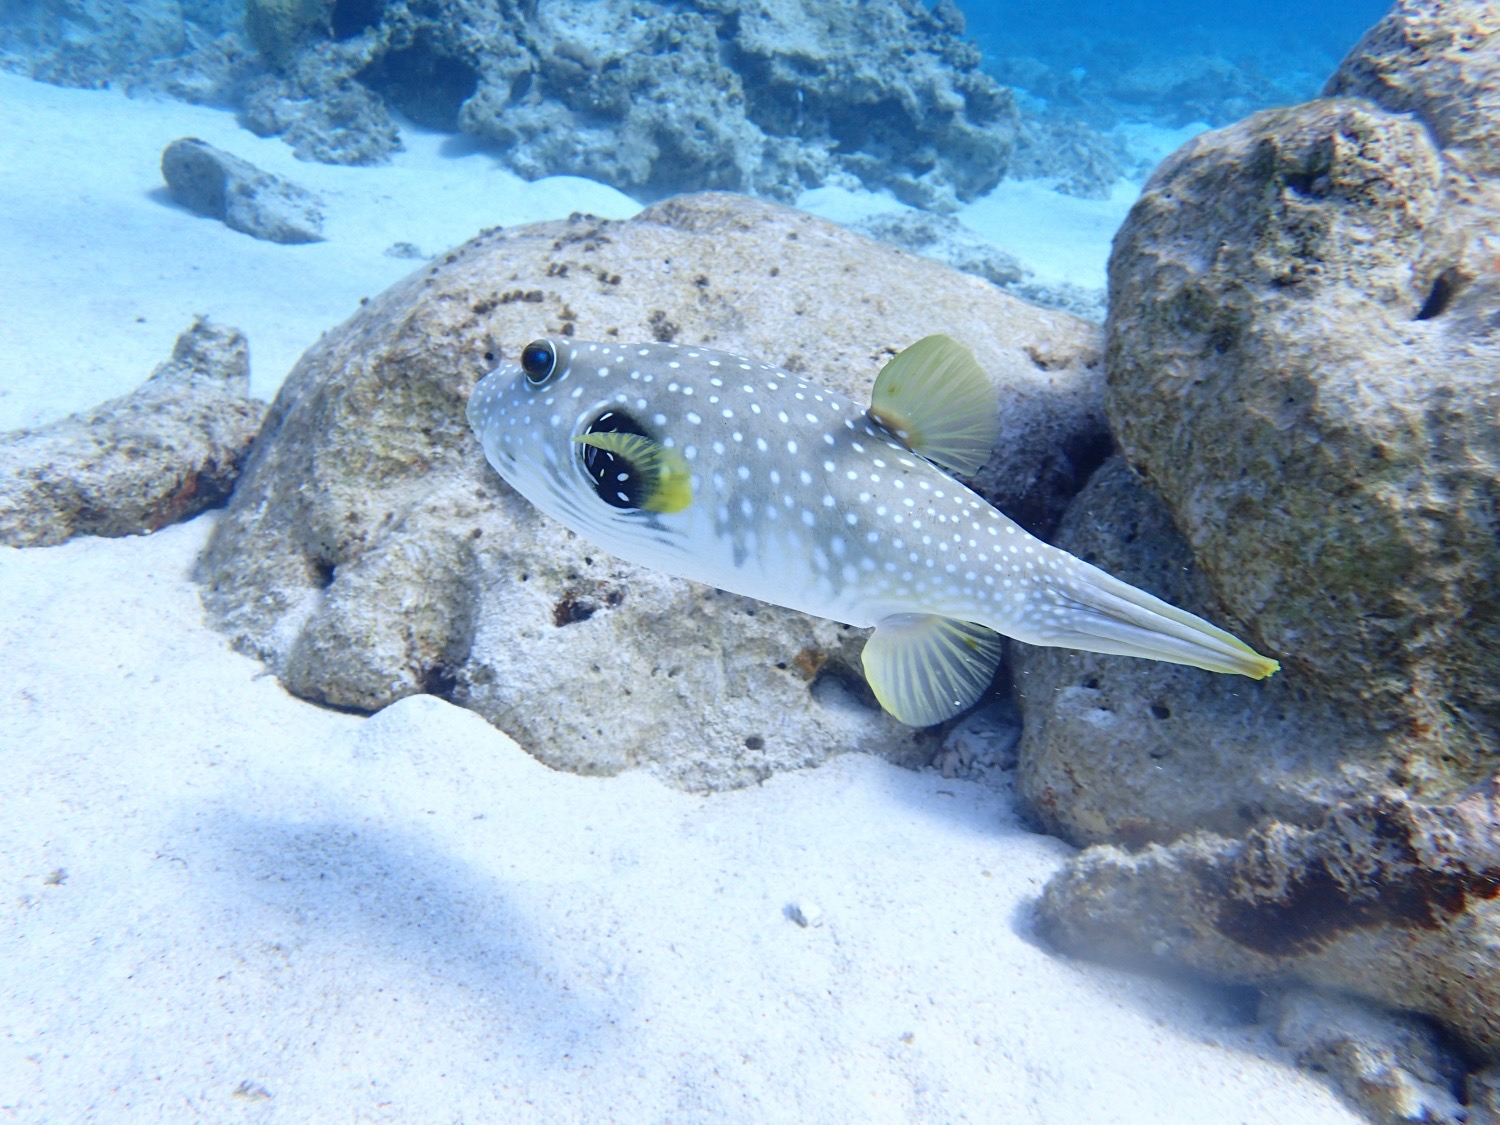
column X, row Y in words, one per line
column 338, row 781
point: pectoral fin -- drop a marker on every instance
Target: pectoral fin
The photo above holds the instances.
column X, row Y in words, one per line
column 924, row 668
column 936, row 400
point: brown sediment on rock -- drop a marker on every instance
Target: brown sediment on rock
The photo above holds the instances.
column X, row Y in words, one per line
column 1386, row 899
column 1385, row 863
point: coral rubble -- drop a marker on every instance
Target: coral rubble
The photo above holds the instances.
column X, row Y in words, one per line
column 164, row 452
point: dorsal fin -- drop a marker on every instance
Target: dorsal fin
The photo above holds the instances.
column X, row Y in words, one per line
column 936, row 400
column 924, row 668
column 667, row 485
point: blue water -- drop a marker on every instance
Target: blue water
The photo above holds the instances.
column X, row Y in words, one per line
column 1167, row 62
column 1333, row 27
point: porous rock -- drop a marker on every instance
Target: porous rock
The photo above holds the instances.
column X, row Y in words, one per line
column 1303, row 360
column 1321, row 475
column 89, row 44
column 1054, row 144
column 1384, row 898
column 187, row 50
column 164, row 452
column 316, row 104
column 1134, row 751
column 650, row 97
column 1396, row 1068
column 222, row 186
column 371, row 553
column 1303, row 367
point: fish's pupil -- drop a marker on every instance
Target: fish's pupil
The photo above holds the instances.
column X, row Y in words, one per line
column 615, row 479
column 538, row 359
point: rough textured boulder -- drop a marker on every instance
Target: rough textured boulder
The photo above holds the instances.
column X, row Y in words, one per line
column 169, row 449
column 1310, row 296
column 1136, row 751
column 650, row 97
column 1386, row 899
column 1302, row 364
column 371, row 553
column 222, row 186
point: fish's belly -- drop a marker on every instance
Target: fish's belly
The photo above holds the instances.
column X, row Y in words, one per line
column 827, row 571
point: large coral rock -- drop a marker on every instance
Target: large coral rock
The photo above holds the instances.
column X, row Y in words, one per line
column 169, row 449
column 1302, row 363
column 651, row 97
column 1304, row 367
column 1303, row 359
column 371, row 553
column 1134, row 751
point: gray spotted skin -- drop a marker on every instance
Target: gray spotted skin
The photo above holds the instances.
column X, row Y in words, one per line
column 797, row 498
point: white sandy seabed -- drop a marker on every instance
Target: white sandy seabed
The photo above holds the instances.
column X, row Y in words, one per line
column 224, row 904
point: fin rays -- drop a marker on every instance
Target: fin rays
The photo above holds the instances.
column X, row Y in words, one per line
column 924, row 668
column 936, row 400
column 1108, row 615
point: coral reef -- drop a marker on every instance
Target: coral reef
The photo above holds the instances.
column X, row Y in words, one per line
column 220, row 185
column 652, row 97
column 187, row 49
column 672, row 95
column 370, row 553
column 90, row 43
column 164, row 452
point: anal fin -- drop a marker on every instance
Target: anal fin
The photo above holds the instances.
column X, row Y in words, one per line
column 924, row 668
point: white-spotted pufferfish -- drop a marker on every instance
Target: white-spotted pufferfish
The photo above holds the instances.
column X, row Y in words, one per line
column 743, row 476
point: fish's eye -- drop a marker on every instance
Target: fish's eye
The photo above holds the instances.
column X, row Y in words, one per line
column 538, row 361
column 617, row 482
